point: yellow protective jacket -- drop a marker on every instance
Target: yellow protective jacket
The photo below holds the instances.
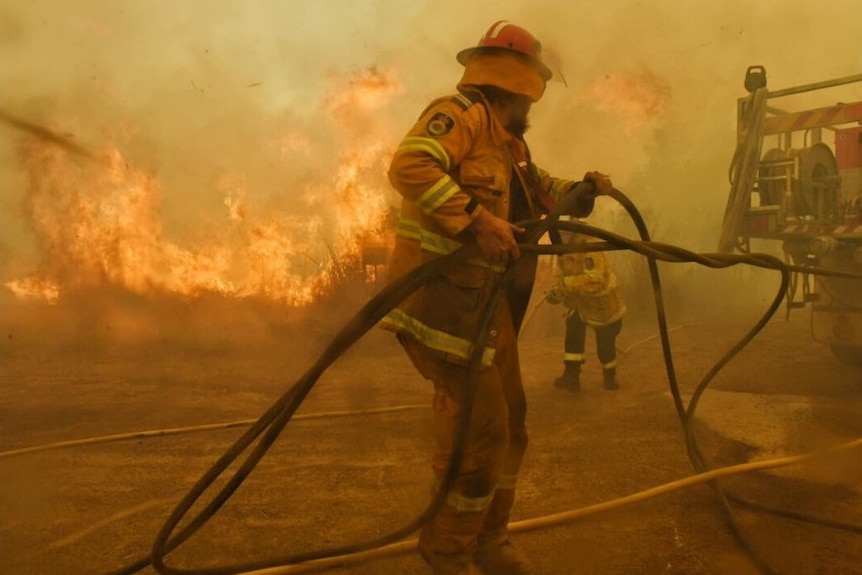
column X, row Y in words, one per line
column 458, row 159
column 588, row 286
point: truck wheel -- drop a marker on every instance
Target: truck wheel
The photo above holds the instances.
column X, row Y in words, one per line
column 847, row 354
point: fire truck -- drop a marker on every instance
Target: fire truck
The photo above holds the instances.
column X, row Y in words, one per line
column 796, row 180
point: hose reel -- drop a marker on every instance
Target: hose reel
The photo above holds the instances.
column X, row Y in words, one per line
column 805, row 182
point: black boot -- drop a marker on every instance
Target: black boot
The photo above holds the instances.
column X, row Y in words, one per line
column 610, row 378
column 571, row 378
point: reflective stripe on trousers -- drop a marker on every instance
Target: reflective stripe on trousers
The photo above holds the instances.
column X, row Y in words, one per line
column 482, row 495
column 606, row 341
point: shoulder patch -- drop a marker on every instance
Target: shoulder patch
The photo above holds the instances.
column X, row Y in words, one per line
column 440, row 124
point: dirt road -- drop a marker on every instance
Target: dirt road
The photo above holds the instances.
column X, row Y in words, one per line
column 348, row 477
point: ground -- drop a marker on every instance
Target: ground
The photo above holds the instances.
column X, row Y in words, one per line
column 352, row 475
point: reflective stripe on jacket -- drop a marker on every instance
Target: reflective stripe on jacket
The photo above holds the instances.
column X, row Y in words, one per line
column 455, row 161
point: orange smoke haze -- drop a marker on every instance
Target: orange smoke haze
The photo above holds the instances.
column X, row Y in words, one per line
column 240, row 147
column 640, row 99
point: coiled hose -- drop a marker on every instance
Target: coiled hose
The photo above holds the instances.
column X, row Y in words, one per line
column 263, row 433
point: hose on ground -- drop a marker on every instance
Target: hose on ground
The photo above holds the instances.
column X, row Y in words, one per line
column 150, row 433
column 564, row 517
column 654, row 251
column 268, row 427
column 273, row 421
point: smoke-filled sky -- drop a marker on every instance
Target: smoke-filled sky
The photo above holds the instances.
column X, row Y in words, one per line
column 259, row 111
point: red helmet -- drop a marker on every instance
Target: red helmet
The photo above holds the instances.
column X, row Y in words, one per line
column 505, row 36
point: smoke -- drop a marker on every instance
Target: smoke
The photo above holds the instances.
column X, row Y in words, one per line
column 248, row 111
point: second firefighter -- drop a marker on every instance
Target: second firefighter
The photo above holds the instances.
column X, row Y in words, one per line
column 586, row 285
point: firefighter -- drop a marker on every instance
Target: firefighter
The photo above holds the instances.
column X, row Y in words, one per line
column 465, row 174
column 586, row 284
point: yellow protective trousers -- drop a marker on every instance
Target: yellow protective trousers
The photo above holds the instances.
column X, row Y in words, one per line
column 476, row 511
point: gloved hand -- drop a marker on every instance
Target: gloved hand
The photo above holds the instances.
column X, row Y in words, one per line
column 553, row 296
column 601, row 181
column 496, row 237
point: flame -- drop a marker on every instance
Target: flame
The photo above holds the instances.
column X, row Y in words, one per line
column 360, row 206
column 35, row 289
column 293, row 142
column 640, row 99
column 99, row 223
column 364, row 92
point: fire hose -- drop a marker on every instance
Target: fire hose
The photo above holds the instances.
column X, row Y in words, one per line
column 282, row 411
column 566, row 516
column 267, row 428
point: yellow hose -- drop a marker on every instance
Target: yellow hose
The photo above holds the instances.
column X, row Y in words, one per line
column 195, row 428
column 566, row 516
